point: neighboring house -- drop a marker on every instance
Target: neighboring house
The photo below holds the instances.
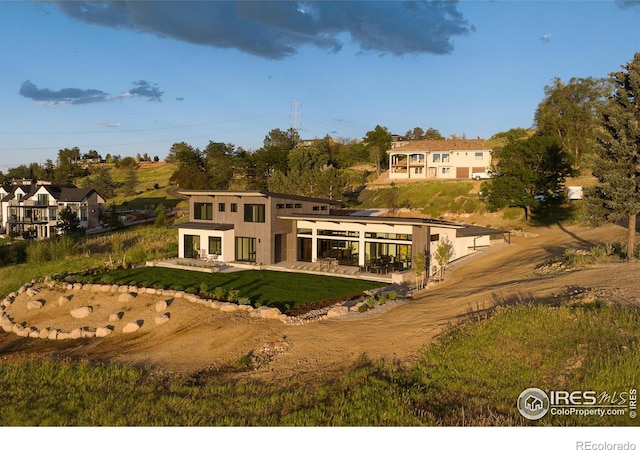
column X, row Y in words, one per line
column 36, row 207
column 268, row 228
column 445, row 158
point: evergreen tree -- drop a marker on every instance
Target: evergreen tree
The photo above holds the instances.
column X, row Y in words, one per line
column 130, row 181
column 69, row 223
column 617, row 165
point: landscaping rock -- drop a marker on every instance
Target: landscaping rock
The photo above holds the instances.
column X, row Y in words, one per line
column 63, row 300
column 7, row 325
column 88, row 333
column 103, row 331
column 53, row 335
column 131, row 327
column 77, row 286
column 44, row 334
column 229, row 307
column 161, row 306
column 125, row 298
column 123, row 289
column 105, row 288
column 81, row 312
column 76, row 333
column 338, row 311
column 266, row 312
column 150, row 291
column 35, row 304
column 161, row 318
column 115, row 317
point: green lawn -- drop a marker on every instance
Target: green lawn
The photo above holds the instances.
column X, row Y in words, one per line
column 279, row 289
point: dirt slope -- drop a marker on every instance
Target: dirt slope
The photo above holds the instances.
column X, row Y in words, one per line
column 197, row 338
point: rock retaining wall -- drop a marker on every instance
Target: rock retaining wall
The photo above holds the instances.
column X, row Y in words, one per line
column 126, row 294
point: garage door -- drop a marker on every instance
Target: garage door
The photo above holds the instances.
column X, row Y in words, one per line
column 462, row 172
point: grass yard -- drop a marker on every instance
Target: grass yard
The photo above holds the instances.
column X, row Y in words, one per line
column 263, row 287
column 471, row 377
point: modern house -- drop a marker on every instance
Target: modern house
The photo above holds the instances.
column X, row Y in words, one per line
column 270, row 228
column 35, row 207
column 446, row 159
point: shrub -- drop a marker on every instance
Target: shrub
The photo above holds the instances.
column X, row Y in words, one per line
column 219, row 293
column 363, row 308
column 233, row 295
column 204, row 289
column 244, row 301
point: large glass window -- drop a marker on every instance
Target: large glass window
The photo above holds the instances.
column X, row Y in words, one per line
column 253, row 213
column 396, row 255
column 305, row 246
column 246, row 249
column 338, row 233
column 445, row 157
column 346, row 252
column 203, row 211
column 478, row 156
column 215, row 245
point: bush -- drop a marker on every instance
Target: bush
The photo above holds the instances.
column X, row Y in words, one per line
column 233, row 295
column 219, row 293
column 244, row 301
column 363, row 308
column 204, row 289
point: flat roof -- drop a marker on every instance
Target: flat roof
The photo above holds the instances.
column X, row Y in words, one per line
column 371, row 219
column 475, row 230
column 190, row 192
column 205, row 226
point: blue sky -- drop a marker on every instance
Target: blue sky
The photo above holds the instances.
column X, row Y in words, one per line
column 136, row 77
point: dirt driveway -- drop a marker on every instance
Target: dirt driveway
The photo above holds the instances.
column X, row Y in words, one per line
column 198, row 338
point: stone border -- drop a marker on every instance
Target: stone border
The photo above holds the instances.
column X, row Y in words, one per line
column 31, row 289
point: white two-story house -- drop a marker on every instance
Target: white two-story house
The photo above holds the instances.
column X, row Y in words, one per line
column 446, row 159
column 35, row 208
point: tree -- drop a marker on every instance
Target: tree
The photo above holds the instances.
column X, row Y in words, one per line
column 103, row 183
column 161, row 217
column 191, row 172
column 130, row 181
column 111, row 218
column 569, row 112
column 420, row 268
column 433, row 134
column 69, row 223
column 530, row 171
column 220, row 164
column 617, row 165
column 378, row 141
column 309, row 173
column 443, row 254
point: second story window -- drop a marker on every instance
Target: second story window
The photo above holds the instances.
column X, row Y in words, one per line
column 253, row 213
column 203, row 211
column 221, row 207
column 43, row 199
column 234, row 207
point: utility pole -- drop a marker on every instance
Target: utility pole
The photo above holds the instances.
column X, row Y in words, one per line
column 295, row 105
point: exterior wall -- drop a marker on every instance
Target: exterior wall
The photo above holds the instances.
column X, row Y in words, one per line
column 460, row 245
column 227, row 237
column 444, row 164
column 263, row 232
column 361, row 228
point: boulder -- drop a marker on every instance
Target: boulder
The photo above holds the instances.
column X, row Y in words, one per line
column 125, row 298
column 63, row 300
column 53, row 335
column 161, row 306
column 81, row 312
column 35, row 304
column 44, row 334
column 104, row 331
column 96, row 288
column 76, row 333
column 338, row 311
column 161, row 318
column 114, row 317
column 105, row 288
column 229, row 307
column 63, row 335
column 131, row 327
column 77, row 286
column 7, row 325
column 266, row 312
column 88, row 333
column 31, row 292
column 123, row 289
column 150, row 291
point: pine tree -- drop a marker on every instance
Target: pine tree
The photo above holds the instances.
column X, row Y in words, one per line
column 617, row 165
